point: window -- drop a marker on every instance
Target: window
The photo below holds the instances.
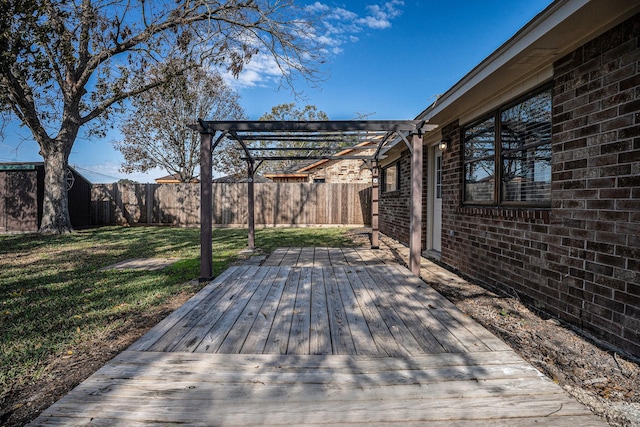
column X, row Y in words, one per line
column 479, row 162
column 391, row 178
column 319, row 180
column 507, row 156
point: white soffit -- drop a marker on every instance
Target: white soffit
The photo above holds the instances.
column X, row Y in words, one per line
column 484, row 105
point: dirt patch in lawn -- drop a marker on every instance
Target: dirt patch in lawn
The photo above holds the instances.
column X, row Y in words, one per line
column 146, row 264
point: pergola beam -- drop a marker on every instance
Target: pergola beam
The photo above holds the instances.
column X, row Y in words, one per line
column 285, row 149
column 375, row 188
column 311, row 157
column 316, row 126
column 251, row 206
column 323, row 137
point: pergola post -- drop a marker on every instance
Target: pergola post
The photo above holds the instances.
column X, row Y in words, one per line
column 416, row 205
column 375, row 171
column 206, row 206
column 251, row 207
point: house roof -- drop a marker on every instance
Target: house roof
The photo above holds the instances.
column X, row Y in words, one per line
column 172, row 179
column 302, row 169
column 525, row 61
column 7, row 166
column 368, row 144
column 239, row 178
column 294, row 169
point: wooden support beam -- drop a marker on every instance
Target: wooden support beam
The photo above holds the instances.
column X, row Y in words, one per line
column 416, row 205
column 315, row 126
column 375, row 185
column 406, row 141
column 206, row 206
column 310, row 157
column 251, row 207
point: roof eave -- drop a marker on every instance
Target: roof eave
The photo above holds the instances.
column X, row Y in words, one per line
column 556, row 31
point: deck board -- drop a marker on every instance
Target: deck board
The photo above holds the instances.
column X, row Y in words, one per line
column 389, row 313
column 283, row 310
column 360, row 333
column 372, row 316
column 301, row 323
column 185, row 312
column 318, row 336
column 306, row 390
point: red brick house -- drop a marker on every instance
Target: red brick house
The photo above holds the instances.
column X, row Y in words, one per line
column 537, row 191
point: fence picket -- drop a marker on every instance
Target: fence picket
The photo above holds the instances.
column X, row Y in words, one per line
column 276, row 204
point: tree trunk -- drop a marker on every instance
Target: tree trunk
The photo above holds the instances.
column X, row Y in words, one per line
column 55, row 209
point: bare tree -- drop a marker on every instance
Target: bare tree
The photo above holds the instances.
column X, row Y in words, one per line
column 156, row 133
column 70, row 65
column 286, row 112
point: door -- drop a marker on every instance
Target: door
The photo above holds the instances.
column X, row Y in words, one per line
column 436, row 232
column 18, row 196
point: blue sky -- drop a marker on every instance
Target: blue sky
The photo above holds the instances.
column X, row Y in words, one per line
column 389, row 60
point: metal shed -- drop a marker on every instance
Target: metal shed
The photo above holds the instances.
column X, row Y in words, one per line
column 22, row 192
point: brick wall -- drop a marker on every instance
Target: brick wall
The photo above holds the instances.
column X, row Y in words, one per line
column 394, row 206
column 595, row 218
column 580, row 259
column 500, row 247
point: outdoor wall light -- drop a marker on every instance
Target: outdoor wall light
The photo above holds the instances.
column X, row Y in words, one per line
column 443, row 145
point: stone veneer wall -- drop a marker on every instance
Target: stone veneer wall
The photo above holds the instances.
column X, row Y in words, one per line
column 350, row 171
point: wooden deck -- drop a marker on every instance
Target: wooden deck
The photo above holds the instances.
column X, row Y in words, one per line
column 318, row 336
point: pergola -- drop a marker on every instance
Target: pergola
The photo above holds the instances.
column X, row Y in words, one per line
column 324, row 139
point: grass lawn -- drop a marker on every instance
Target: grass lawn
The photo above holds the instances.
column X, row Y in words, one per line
column 56, row 303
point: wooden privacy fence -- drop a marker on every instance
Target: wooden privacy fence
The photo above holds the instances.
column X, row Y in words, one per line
column 276, row 204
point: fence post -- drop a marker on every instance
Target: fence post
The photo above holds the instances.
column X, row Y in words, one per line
column 149, row 201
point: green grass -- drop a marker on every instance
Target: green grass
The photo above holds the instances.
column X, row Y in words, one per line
column 54, row 298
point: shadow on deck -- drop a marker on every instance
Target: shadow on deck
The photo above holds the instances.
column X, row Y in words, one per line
column 318, row 336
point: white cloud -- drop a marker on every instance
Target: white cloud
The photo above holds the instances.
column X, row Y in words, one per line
column 262, row 70
column 338, row 26
column 380, row 16
column 317, row 7
column 342, row 14
column 375, row 23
